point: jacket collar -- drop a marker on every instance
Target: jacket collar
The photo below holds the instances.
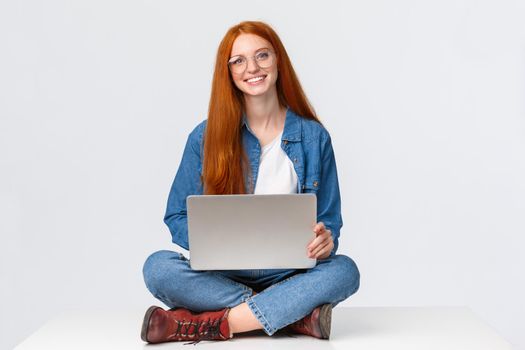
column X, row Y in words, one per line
column 292, row 126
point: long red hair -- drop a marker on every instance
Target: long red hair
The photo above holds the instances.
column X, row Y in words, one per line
column 225, row 164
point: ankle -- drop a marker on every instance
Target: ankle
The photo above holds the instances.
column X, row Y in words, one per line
column 241, row 319
column 230, row 325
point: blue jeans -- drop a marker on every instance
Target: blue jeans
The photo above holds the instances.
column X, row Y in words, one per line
column 284, row 295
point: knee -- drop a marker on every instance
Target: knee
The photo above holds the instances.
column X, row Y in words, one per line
column 350, row 276
column 156, row 269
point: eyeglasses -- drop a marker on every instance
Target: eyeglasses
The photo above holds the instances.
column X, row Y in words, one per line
column 263, row 59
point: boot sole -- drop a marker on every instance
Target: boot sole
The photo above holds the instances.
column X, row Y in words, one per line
column 325, row 320
column 145, row 323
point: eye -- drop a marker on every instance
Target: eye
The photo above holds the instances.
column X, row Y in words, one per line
column 236, row 61
column 262, row 55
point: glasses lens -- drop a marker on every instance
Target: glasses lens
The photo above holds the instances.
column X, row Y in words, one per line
column 264, row 59
column 237, row 64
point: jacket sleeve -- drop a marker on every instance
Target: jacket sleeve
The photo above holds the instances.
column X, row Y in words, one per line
column 328, row 197
column 187, row 182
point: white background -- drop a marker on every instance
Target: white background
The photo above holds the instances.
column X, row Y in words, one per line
column 424, row 101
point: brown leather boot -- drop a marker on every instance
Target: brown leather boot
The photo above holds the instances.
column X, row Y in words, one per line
column 182, row 324
column 316, row 324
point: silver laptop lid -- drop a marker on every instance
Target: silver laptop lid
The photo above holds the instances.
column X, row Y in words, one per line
column 234, row 232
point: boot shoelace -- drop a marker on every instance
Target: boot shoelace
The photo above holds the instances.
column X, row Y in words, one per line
column 201, row 330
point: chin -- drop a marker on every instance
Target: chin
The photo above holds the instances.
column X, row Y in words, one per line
column 258, row 91
column 255, row 93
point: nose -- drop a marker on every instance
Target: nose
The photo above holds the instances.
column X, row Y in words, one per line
column 252, row 66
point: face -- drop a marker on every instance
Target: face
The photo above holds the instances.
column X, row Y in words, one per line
column 255, row 52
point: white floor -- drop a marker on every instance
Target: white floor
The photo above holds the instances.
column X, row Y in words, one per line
column 356, row 328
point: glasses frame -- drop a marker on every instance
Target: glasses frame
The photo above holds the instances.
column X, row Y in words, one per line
column 253, row 58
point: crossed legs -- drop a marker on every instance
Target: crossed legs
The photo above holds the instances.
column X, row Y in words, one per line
column 170, row 279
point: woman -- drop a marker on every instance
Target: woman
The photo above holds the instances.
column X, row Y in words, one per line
column 261, row 136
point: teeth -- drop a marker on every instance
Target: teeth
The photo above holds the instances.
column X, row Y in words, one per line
column 253, row 80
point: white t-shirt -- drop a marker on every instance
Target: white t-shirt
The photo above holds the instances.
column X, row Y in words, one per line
column 276, row 172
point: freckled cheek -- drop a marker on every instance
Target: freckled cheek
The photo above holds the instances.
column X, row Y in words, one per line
column 274, row 79
column 275, row 74
column 237, row 81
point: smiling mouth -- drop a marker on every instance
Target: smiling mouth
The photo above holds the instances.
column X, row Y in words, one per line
column 255, row 80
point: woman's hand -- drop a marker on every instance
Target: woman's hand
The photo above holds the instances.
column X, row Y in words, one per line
column 321, row 246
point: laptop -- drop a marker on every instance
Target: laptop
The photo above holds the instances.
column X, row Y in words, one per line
column 265, row 231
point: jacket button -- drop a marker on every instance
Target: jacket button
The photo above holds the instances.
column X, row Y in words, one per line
column 295, row 160
column 315, row 183
column 285, row 142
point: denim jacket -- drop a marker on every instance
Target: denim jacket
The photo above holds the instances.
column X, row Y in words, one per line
column 307, row 144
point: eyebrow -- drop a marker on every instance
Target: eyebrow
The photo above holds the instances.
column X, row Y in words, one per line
column 259, row 49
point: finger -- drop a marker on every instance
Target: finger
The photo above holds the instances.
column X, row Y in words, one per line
column 310, row 243
column 317, row 240
column 320, row 251
column 325, row 239
column 326, row 245
column 324, row 252
column 319, row 227
column 313, row 243
column 320, row 247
